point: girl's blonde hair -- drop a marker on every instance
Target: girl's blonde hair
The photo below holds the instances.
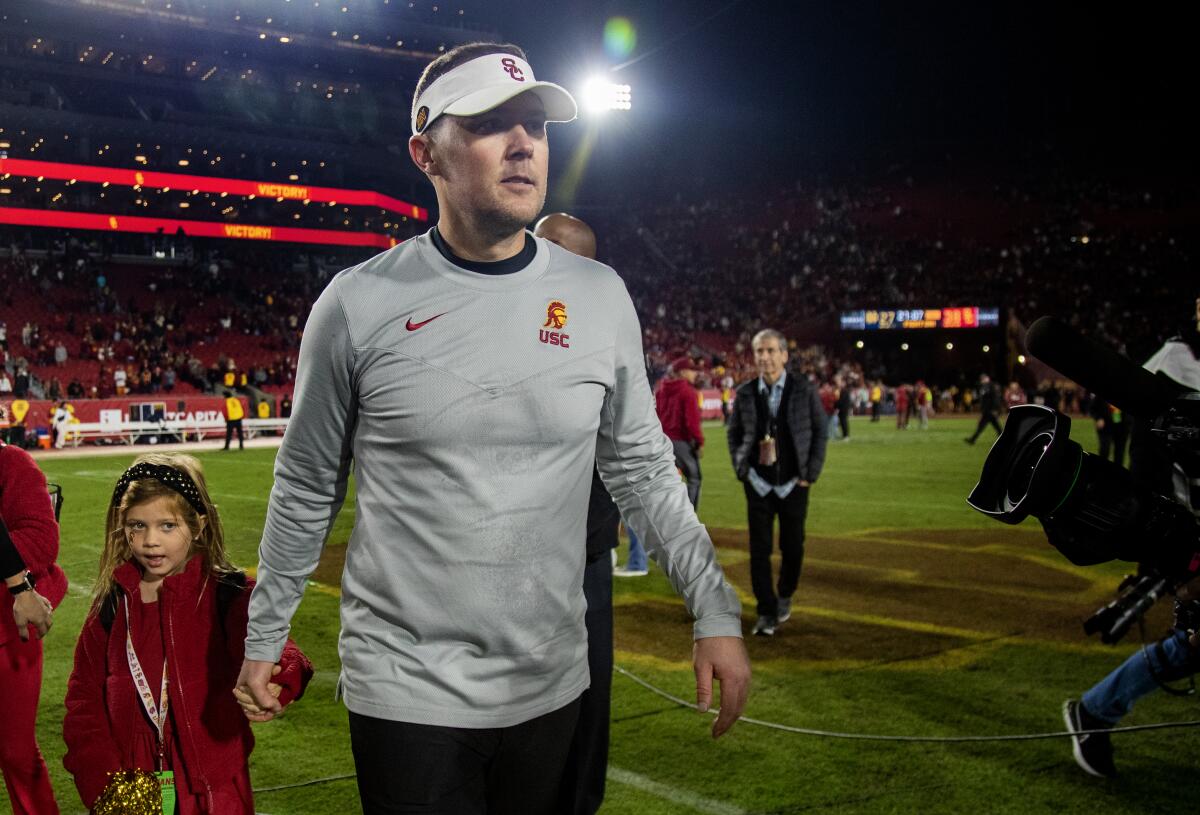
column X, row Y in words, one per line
column 209, row 542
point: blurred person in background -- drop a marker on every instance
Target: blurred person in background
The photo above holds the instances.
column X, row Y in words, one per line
column 989, row 407
column 677, row 403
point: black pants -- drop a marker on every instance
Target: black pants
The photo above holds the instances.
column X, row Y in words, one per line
column 844, row 423
column 230, row 426
column 582, row 789
column 415, row 768
column 761, row 512
column 687, row 461
column 1112, row 439
column 984, row 421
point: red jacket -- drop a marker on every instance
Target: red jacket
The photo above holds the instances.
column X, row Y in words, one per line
column 678, row 407
column 105, row 725
column 28, row 513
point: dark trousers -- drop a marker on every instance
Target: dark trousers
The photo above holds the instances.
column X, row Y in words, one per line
column 687, row 461
column 984, row 421
column 230, row 426
column 582, row 789
column 415, row 768
column 1112, row 440
column 844, row 423
column 761, row 512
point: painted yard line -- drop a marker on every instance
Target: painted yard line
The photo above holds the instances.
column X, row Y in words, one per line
column 906, row 625
column 1100, row 585
column 675, row 795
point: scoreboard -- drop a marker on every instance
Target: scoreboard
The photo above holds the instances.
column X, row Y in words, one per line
column 952, row 317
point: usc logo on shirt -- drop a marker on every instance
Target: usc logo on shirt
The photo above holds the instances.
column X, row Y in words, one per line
column 556, row 318
column 556, row 315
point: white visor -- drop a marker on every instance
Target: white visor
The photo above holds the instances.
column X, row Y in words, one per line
column 484, row 83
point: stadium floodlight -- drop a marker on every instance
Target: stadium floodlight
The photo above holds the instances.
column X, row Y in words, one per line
column 600, row 95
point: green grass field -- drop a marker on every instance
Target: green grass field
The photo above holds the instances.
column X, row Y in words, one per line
column 915, row 616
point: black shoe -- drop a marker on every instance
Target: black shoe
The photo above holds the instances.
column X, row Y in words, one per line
column 765, row 627
column 784, row 611
column 969, row 441
column 1093, row 751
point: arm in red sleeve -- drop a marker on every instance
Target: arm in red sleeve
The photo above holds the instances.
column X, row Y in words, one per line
column 27, row 510
column 91, row 749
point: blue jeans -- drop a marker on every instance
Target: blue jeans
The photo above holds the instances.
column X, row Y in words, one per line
column 637, row 553
column 834, row 431
column 1113, row 696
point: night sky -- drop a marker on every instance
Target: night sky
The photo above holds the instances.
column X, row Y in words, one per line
column 765, row 91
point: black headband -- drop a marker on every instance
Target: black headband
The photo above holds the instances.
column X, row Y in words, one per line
column 177, row 480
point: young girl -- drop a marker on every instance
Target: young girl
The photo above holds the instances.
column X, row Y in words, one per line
column 160, row 651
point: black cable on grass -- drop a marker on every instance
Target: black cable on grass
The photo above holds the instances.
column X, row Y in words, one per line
column 805, row 731
column 309, row 783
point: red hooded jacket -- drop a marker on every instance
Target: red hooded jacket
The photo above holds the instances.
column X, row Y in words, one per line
column 28, row 513
column 105, row 727
column 678, row 407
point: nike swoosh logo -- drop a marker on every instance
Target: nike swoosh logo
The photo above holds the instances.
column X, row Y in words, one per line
column 411, row 326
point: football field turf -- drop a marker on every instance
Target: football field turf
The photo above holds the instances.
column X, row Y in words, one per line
column 915, row 616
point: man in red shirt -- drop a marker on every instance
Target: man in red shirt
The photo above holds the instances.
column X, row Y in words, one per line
column 678, row 406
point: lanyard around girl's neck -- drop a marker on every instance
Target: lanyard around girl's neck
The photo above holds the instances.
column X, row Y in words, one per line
column 157, row 713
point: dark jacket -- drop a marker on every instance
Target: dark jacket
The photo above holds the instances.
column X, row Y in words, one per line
column 28, row 513
column 989, row 399
column 204, row 655
column 803, row 414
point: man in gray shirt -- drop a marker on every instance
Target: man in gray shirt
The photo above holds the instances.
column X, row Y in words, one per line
column 472, row 375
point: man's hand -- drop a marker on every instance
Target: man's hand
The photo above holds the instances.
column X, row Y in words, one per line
column 31, row 608
column 255, row 691
column 723, row 659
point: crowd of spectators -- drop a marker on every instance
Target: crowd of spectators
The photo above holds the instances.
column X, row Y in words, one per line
column 76, row 326
column 704, row 276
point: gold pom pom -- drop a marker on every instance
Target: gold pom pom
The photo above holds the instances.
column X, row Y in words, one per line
column 130, row 792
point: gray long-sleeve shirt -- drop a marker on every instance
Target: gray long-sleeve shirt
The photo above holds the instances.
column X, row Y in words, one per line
column 472, row 406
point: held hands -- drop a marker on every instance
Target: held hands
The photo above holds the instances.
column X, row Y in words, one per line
column 256, row 693
column 723, row 659
column 31, row 608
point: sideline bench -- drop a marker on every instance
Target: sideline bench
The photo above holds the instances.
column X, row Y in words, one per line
column 129, row 432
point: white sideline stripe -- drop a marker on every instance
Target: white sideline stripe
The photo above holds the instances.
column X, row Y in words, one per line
column 672, row 794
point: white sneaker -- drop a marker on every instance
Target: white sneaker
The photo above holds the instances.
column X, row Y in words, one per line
column 623, row 572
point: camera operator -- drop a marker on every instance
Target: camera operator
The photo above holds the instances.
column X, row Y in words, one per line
column 1176, row 656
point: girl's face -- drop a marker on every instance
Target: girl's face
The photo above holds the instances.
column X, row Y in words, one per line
column 160, row 539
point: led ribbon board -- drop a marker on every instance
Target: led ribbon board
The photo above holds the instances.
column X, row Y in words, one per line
column 204, row 183
column 193, row 229
column 951, row 317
